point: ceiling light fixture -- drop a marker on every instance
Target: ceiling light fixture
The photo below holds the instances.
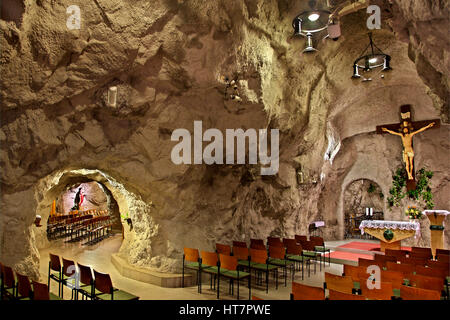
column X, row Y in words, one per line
column 308, row 23
column 371, row 60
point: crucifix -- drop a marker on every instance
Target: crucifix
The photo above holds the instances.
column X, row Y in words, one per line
column 406, row 129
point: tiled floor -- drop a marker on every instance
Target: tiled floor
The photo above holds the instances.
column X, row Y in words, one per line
column 99, row 257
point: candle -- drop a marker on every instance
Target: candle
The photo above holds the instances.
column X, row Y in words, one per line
column 371, row 211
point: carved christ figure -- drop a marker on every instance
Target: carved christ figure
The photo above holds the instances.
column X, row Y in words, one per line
column 407, row 134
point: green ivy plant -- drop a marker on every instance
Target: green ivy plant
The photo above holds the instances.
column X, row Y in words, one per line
column 422, row 191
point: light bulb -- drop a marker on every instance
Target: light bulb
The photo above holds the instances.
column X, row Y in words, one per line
column 313, row 17
column 373, row 60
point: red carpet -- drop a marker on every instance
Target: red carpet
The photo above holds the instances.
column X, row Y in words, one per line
column 365, row 246
column 349, row 255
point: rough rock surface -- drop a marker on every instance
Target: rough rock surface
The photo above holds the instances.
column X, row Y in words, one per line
column 167, row 59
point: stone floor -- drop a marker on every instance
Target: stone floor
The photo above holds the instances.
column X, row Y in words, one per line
column 99, row 258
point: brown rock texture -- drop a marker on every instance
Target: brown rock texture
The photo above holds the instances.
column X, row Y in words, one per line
column 167, row 59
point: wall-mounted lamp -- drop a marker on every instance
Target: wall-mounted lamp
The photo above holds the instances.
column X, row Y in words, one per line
column 112, row 96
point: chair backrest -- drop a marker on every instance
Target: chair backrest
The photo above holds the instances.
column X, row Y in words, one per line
column 241, row 244
column 336, row 295
column 103, row 282
column 414, row 261
column 401, row 267
column 438, row 264
column 443, row 257
column 274, row 242
column 191, row 254
column 421, row 255
column 384, row 293
column 300, row 238
column 85, row 274
column 258, row 256
column 9, row 279
column 411, row 293
column 394, row 277
column 431, row 272
column 277, row 252
column 318, row 241
column 23, row 286
column 384, row 258
column 425, row 282
column 241, row 253
column 288, row 242
column 339, row 283
column 353, row 271
column 55, row 262
column 304, row 292
column 228, row 262
column 257, row 242
column 209, row 258
column 40, row 291
column 367, row 262
column 308, row 245
column 223, row 248
column 443, row 251
column 421, row 249
column 395, row 253
column 69, row 268
column 294, row 248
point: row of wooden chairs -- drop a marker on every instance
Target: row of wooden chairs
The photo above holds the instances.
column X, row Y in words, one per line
column 421, row 277
column 306, row 292
column 16, row 286
column 84, row 280
column 217, row 265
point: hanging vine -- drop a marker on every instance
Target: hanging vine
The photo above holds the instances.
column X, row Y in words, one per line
column 423, row 190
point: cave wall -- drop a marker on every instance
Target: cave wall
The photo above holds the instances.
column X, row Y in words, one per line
column 167, row 59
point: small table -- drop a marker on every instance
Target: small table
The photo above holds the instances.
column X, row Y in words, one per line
column 436, row 218
column 390, row 233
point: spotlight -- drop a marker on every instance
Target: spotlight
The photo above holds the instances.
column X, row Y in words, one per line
column 386, row 64
column 355, row 72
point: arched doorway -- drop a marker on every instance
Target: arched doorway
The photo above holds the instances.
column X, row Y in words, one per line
column 363, row 199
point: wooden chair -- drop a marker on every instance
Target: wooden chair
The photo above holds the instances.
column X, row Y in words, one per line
column 424, row 251
column 104, row 289
column 259, row 261
column 413, row 261
column 384, row 258
column 384, row 293
column 9, row 284
column 336, row 295
column 41, row 292
column 277, row 257
column 209, row 265
column 55, row 272
column 228, row 268
column 304, row 292
column 300, row 238
column 24, row 290
column 86, row 283
column 438, row 264
column 70, row 277
column 309, row 252
column 274, row 242
column 395, row 278
column 242, row 254
column 338, row 283
column 294, row 253
column 353, row 271
column 400, row 267
column 411, row 293
column 223, row 249
column 191, row 261
column 257, row 244
column 289, row 242
column 319, row 246
column 239, row 244
column 424, row 282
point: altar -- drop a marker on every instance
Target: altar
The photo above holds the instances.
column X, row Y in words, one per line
column 390, row 233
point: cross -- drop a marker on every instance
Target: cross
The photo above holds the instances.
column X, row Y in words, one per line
column 406, row 129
